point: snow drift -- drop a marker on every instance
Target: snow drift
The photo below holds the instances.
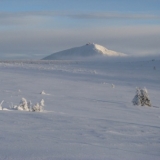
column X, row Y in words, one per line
column 87, row 51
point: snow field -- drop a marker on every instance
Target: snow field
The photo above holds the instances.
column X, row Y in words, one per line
column 85, row 118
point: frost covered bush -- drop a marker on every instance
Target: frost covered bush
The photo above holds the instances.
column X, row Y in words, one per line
column 141, row 97
column 38, row 107
column 1, row 108
column 27, row 106
column 23, row 105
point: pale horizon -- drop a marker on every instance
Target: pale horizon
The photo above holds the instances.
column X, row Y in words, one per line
column 37, row 29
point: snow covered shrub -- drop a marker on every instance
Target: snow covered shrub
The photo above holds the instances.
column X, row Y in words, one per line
column 113, row 86
column 1, row 108
column 23, row 105
column 27, row 106
column 38, row 107
column 141, row 97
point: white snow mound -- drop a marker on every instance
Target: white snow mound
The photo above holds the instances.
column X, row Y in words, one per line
column 88, row 50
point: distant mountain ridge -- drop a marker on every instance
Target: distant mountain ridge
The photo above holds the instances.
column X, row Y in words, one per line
column 88, row 50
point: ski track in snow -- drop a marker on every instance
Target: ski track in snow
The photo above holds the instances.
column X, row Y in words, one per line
column 85, row 117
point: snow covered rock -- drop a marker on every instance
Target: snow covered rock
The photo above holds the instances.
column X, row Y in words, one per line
column 43, row 92
column 88, row 50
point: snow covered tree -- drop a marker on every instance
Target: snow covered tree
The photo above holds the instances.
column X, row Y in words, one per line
column 141, row 97
column 137, row 98
column 27, row 106
column 23, row 105
column 38, row 107
column 42, row 103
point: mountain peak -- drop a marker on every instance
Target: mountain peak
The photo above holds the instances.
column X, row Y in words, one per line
column 104, row 51
column 88, row 50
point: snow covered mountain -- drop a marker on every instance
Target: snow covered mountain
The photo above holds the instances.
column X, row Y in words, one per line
column 88, row 50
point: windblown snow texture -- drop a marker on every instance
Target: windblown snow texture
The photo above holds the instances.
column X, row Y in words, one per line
column 88, row 113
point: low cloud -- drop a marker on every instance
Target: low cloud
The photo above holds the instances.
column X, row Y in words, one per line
column 135, row 40
column 22, row 18
column 41, row 17
column 114, row 15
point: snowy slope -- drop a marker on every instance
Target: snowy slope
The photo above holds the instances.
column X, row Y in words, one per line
column 88, row 50
column 86, row 118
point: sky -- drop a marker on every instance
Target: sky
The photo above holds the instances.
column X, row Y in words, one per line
column 34, row 29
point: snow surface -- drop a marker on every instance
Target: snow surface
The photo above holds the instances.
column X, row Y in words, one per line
column 87, row 51
column 88, row 114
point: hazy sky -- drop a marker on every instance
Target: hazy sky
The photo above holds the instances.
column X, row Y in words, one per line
column 37, row 28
